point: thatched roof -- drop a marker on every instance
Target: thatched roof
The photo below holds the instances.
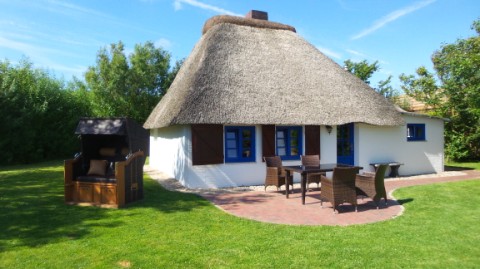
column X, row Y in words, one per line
column 417, row 114
column 248, row 71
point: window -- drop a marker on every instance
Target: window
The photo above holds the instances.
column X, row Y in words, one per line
column 239, row 144
column 415, row 132
column 289, row 142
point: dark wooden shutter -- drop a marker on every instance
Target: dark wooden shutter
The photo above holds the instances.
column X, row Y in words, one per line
column 312, row 140
column 268, row 141
column 207, row 144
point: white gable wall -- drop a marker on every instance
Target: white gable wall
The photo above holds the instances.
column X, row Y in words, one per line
column 389, row 144
column 168, row 151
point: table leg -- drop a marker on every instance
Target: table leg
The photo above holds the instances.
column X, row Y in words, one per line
column 394, row 170
column 304, row 186
column 287, row 187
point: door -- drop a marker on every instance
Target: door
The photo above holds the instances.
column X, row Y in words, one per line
column 345, row 144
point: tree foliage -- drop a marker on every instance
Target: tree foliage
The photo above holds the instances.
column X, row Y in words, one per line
column 129, row 86
column 362, row 70
column 38, row 115
column 455, row 95
column 365, row 71
column 423, row 87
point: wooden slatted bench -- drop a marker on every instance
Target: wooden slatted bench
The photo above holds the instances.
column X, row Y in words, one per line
column 394, row 166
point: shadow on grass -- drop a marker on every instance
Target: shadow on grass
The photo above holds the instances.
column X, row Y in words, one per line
column 166, row 201
column 33, row 212
column 456, row 168
column 404, row 201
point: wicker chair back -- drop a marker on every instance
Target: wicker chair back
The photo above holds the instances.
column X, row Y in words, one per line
column 274, row 161
column 310, row 160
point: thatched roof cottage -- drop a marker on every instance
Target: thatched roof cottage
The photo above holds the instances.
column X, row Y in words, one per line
column 252, row 88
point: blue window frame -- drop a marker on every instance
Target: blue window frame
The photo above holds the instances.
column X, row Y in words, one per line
column 415, row 132
column 289, row 144
column 239, row 144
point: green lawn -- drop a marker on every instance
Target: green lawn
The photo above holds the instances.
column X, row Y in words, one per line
column 439, row 229
column 471, row 165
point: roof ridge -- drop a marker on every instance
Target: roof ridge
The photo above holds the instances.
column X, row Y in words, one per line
column 246, row 22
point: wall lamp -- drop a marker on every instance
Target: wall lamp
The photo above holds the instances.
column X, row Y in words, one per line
column 329, row 128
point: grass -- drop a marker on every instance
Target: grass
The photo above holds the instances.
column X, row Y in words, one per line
column 439, row 229
column 470, row 165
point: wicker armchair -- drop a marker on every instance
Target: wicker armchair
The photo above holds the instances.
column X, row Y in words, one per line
column 312, row 160
column 340, row 188
column 275, row 174
column 373, row 184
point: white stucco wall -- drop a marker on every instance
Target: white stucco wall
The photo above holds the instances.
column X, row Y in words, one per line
column 389, row 144
column 171, row 153
column 229, row 174
column 328, row 145
column 168, row 151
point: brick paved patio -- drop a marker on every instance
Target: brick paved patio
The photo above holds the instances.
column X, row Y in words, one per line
column 273, row 207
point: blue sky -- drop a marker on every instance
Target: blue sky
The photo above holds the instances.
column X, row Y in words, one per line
column 65, row 36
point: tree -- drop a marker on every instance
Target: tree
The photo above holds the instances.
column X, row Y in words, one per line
column 423, row 88
column 130, row 86
column 38, row 115
column 457, row 95
column 364, row 71
column 384, row 88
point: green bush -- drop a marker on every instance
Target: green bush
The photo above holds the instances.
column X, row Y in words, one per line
column 38, row 115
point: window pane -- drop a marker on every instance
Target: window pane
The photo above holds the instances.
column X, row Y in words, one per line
column 246, row 143
column 231, row 135
column 293, row 151
column 293, row 133
column 294, row 142
column 410, row 131
column 340, row 150
column 281, row 152
column 281, row 143
column 232, row 153
column 246, row 153
column 419, row 132
column 231, row 144
column 280, row 134
column 246, row 134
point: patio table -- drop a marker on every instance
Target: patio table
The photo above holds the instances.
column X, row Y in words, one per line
column 305, row 170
